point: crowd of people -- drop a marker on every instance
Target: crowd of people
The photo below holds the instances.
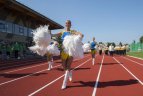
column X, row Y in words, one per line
column 111, row 50
column 12, row 50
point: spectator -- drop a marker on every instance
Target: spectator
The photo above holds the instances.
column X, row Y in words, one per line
column 8, row 50
column 16, row 49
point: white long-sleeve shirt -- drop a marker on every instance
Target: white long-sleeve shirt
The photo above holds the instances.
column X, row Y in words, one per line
column 111, row 48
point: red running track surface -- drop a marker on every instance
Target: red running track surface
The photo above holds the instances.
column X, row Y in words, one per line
column 111, row 76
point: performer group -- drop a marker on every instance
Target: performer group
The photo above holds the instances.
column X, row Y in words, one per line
column 71, row 48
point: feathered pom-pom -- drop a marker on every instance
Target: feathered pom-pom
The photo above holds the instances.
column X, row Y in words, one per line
column 86, row 47
column 73, row 46
column 53, row 49
column 36, row 49
column 41, row 38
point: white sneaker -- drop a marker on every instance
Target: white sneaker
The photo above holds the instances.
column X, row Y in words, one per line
column 70, row 76
column 65, row 80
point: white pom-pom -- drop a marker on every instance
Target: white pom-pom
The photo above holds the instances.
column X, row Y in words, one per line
column 36, row 49
column 86, row 47
column 41, row 36
column 53, row 49
column 73, row 46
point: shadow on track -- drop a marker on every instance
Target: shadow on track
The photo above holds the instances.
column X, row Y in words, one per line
column 105, row 84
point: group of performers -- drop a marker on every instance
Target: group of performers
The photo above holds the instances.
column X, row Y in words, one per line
column 72, row 47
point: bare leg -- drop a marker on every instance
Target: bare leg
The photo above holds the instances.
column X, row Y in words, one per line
column 49, row 58
column 93, row 57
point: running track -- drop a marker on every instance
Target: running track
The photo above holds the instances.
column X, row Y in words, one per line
column 111, row 76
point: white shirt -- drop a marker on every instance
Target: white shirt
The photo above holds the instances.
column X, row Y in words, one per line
column 111, row 48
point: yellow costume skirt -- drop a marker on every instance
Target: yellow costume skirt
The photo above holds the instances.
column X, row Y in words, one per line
column 93, row 51
column 64, row 55
column 49, row 56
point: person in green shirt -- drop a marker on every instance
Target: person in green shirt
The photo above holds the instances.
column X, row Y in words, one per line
column 8, row 50
column 16, row 49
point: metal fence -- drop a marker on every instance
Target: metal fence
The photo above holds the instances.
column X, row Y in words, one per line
column 136, row 47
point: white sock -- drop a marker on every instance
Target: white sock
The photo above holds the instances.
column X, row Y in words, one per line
column 93, row 61
column 65, row 79
column 52, row 60
column 70, row 76
column 52, row 64
column 49, row 65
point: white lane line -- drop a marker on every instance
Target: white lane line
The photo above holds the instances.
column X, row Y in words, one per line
column 15, row 65
column 25, row 68
column 55, row 80
column 135, row 57
column 133, row 61
column 25, row 76
column 34, row 66
column 128, row 71
column 97, row 80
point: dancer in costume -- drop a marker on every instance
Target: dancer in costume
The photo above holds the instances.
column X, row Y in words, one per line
column 71, row 49
column 42, row 39
column 93, row 50
column 52, row 50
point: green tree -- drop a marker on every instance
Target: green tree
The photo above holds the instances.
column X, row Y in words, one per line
column 141, row 39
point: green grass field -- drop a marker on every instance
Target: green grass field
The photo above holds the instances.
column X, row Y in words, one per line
column 136, row 54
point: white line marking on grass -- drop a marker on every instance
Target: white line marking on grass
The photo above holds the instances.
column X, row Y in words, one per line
column 133, row 61
column 25, row 76
column 97, row 80
column 135, row 57
column 129, row 71
column 55, row 80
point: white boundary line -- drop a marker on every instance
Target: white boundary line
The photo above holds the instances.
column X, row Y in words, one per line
column 25, row 68
column 97, row 80
column 35, row 66
column 129, row 71
column 135, row 57
column 14, row 66
column 25, row 76
column 55, row 80
column 133, row 61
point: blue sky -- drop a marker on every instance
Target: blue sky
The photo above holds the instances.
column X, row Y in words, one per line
column 106, row 20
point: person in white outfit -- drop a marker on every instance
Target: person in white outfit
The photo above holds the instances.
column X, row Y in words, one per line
column 111, row 50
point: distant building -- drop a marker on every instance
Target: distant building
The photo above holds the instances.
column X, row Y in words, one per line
column 18, row 20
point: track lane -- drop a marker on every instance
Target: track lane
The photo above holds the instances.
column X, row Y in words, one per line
column 116, row 81
column 136, row 69
column 83, row 82
column 27, row 85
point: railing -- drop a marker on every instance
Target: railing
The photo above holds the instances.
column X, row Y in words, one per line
column 136, row 47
